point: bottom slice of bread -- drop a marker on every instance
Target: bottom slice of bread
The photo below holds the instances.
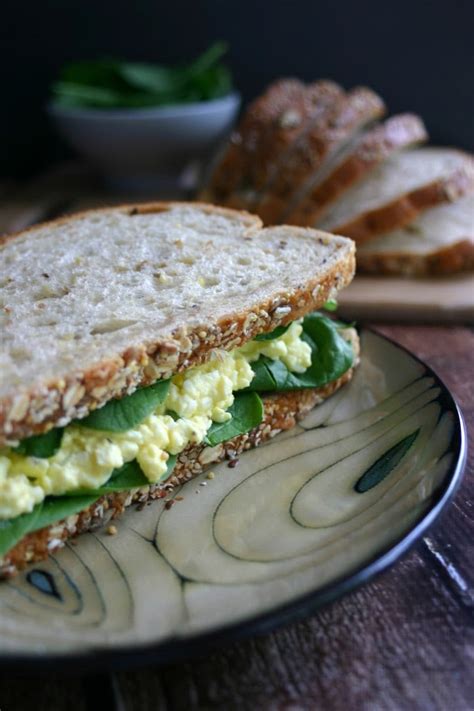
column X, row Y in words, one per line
column 281, row 412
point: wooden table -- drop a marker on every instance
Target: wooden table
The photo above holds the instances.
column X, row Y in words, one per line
column 404, row 641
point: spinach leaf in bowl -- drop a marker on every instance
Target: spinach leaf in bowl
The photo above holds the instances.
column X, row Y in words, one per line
column 108, row 84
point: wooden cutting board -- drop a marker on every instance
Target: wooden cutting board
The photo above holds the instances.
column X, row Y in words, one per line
column 447, row 300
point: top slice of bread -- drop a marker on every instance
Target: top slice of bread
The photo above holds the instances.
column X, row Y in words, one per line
column 94, row 305
column 398, row 190
column 372, row 148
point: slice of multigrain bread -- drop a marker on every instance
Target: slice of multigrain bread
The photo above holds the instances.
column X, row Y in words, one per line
column 281, row 412
column 399, row 190
column 337, row 128
column 441, row 241
column 266, row 132
column 95, row 305
column 231, row 170
column 371, row 149
column 279, row 138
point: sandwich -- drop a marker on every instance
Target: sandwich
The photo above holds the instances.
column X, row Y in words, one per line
column 142, row 344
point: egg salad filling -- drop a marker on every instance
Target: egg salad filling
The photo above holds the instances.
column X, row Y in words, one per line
column 195, row 400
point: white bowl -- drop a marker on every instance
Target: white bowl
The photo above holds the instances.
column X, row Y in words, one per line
column 147, row 144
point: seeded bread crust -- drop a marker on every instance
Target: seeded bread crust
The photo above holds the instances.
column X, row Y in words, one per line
column 282, row 132
column 60, row 400
column 281, row 412
column 269, row 126
column 376, row 145
column 348, row 115
column 279, row 138
column 232, row 168
column 406, row 208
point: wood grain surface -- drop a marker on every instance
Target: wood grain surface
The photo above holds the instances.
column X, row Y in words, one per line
column 404, row 641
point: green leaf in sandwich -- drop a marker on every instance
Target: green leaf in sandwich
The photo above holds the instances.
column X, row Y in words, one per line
column 331, row 356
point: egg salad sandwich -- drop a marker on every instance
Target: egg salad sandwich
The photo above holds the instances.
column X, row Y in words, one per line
column 141, row 344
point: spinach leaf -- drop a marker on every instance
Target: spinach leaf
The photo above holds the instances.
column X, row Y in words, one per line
column 122, row 415
column 247, row 413
column 52, row 509
column 151, row 77
column 14, row 529
column 98, row 73
column 42, row 446
column 330, row 305
column 55, row 508
column 130, row 476
column 72, row 94
column 208, row 58
column 279, row 331
column 331, row 356
column 107, row 84
column 272, row 375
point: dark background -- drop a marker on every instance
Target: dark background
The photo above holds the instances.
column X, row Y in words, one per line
column 418, row 54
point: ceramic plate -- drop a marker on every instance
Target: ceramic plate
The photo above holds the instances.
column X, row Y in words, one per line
column 297, row 523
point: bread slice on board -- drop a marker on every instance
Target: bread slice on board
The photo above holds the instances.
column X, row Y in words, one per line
column 291, row 125
column 375, row 146
column 441, row 241
column 232, row 166
column 399, row 190
column 97, row 304
column 338, row 127
column 281, row 412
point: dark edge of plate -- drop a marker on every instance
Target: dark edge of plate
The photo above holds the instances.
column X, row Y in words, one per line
column 176, row 649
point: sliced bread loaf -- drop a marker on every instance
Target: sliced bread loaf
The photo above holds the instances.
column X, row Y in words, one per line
column 331, row 134
column 94, row 305
column 399, row 190
column 375, row 146
column 441, row 241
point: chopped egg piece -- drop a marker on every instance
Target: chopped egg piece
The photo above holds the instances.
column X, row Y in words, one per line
column 289, row 348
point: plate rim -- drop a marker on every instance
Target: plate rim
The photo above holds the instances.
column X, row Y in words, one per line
column 177, row 649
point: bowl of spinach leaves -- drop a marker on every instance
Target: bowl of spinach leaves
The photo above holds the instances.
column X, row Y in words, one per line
column 139, row 120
